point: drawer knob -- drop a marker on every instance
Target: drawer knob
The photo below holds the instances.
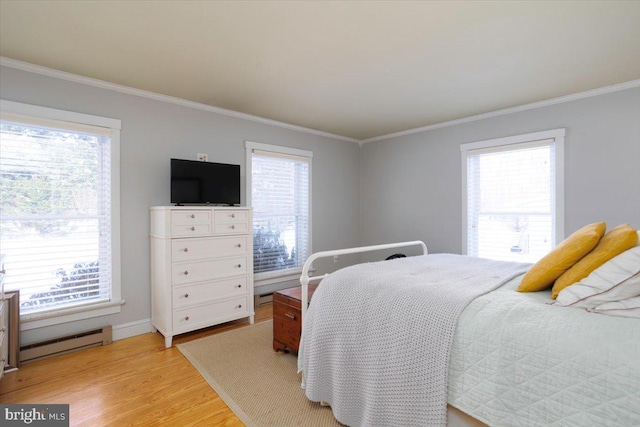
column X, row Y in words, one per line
column 238, row 286
column 239, row 245
column 193, row 229
column 193, row 216
column 186, row 249
column 186, row 295
column 186, row 273
column 233, row 215
column 290, row 316
column 233, row 227
column 186, row 318
column 239, row 265
column 239, row 305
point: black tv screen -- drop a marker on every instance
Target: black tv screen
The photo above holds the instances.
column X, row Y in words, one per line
column 197, row 182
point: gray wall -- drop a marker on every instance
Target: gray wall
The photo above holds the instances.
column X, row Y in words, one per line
column 411, row 185
column 404, row 188
column 152, row 133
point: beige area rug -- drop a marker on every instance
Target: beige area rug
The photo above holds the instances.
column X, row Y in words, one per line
column 259, row 385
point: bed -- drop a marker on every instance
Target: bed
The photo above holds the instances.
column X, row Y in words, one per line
column 503, row 358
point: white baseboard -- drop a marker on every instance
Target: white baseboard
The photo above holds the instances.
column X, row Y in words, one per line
column 131, row 329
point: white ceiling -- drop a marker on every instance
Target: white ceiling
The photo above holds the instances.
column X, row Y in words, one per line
column 358, row 69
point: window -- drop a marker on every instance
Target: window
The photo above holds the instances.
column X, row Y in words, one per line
column 279, row 183
column 59, row 215
column 512, row 196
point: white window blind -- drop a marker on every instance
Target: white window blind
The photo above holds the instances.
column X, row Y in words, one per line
column 512, row 199
column 55, row 219
column 280, row 197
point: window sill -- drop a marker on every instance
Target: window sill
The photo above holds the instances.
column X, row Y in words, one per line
column 41, row 320
column 279, row 279
column 269, row 278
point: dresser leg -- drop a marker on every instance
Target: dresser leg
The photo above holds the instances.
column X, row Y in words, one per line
column 167, row 341
column 252, row 319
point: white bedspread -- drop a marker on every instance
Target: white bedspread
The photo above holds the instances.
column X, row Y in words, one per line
column 518, row 361
column 396, row 319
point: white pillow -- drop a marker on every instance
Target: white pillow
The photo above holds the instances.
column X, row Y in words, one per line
column 626, row 308
column 616, row 279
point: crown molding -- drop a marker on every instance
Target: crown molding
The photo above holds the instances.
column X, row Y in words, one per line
column 573, row 97
column 37, row 69
column 63, row 75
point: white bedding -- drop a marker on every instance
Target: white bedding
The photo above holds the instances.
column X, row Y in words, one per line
column 377, row 336
column 518, row 361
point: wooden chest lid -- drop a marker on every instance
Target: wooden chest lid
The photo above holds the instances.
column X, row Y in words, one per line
column 293, row 296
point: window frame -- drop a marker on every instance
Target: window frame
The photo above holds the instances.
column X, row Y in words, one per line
column 508, row 143
column 113, row 306
column 277, row 276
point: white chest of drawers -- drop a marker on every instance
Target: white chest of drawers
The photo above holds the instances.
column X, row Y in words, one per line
column 201, row 267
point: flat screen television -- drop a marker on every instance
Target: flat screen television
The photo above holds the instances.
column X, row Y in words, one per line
column 196, row 182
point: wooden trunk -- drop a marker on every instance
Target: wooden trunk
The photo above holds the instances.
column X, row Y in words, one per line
column 287, row 323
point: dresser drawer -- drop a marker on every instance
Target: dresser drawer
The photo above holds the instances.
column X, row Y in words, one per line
column 229, row 217
column 226, row 222
column 190, row 217
column 190, row 223
column 195, row 249
column 207, row 291
column 191, row 230
column 239, row 228
column 200, row 271
column 187, row 319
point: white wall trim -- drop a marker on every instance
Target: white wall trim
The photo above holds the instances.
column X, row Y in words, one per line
column 49, row 72
column 86, row 311
column 553, row 101
column 515, row 139
column 280, row 149
column 558, row 137
column 57, row 114
column 278, row 279
column 131, row 329
column 269, row 278
column 73, row 314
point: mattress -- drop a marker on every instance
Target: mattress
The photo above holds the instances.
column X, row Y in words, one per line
column 517, row 360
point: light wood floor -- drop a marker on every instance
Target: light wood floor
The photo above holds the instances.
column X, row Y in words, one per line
column 132, row 382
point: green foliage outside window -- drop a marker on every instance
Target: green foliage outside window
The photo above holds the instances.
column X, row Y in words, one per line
column 80, row 283
column 270, row 252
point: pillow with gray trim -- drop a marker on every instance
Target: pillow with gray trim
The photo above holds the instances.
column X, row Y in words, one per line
column 617, row 279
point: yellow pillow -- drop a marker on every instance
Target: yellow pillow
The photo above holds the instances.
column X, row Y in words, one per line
column 616, row 241
column 568, row 252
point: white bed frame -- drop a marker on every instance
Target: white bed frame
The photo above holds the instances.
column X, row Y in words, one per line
column 305, row 279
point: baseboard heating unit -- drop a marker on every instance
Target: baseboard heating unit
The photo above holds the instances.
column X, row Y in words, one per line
column 259, row 300
column 66, row 344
